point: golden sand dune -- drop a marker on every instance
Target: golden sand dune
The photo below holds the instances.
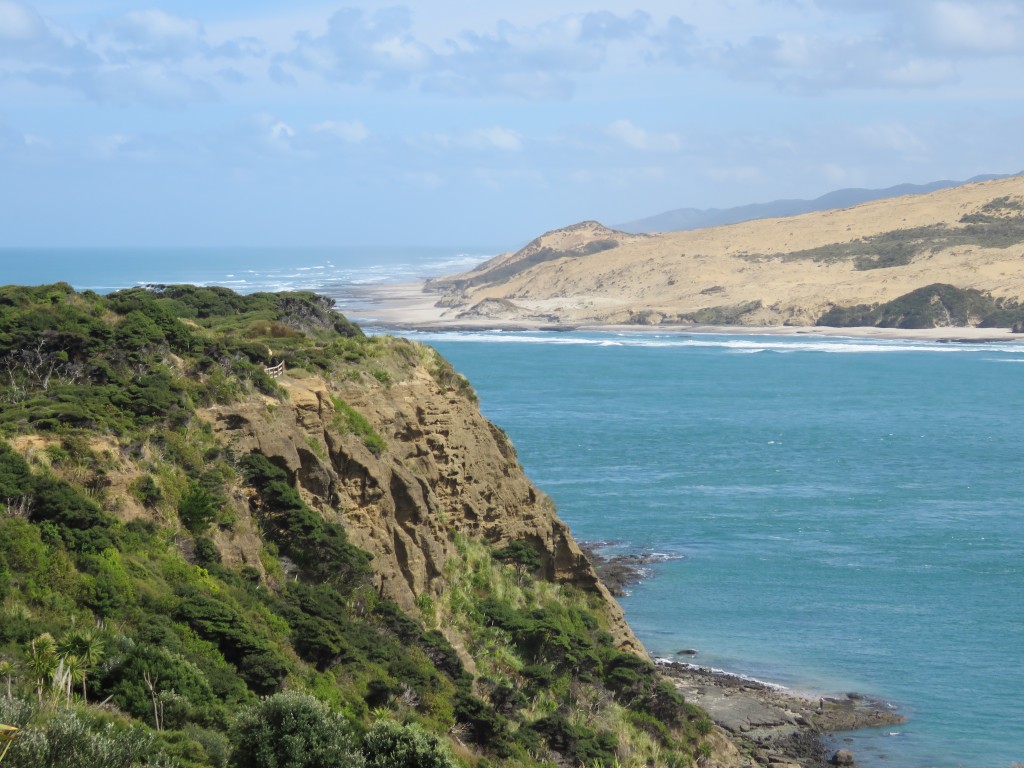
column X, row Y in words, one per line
column 770, row 272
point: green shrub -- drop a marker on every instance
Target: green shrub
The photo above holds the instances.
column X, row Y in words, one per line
column 197, row 508
column 936, row 305
column 522, row 555
column 147, row 491
column 106, row 587
column 124, row 679
column 391, row 745
column 70, row 739
column 293, row 730
column 320, row 548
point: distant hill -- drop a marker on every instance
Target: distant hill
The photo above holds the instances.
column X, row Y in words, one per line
column 697, row 218
column 949, row 258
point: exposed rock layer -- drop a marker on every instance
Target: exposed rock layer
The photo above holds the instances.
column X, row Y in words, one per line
column 446, row 471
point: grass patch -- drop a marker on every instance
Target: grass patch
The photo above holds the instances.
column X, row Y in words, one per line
column 348, row 419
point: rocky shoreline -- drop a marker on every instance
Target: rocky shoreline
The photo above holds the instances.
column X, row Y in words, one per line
column 618, row 572
column 769, row 724
column 774, row 726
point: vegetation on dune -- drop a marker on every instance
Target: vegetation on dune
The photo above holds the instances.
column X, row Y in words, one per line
column 933, row 306
column 998, row 224
column 127, row 640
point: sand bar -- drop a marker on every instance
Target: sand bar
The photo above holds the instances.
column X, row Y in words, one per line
column 405, row 306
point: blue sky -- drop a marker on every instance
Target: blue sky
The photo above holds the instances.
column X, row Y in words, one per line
column 480, row 123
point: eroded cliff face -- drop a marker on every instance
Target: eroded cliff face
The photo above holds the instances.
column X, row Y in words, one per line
column 445, row 471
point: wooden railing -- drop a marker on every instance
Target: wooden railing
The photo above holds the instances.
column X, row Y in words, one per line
column 274, row 371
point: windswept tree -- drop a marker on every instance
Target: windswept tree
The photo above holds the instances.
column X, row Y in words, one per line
column 522, row 556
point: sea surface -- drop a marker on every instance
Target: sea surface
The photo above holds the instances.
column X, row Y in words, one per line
column 342, row 270
column 835, row 515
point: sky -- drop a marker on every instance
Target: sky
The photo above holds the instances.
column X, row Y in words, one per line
column 480, row 122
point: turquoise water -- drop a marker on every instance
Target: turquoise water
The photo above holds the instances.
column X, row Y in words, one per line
column 845, row 515
column 849, row 514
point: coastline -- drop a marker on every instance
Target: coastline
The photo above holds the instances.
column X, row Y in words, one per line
column 773, row 725
column 769, row 724
column 406, row 307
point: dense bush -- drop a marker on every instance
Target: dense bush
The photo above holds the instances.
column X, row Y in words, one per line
column 933, row 306
column 72, row 739
column 391, row 745
column 293, row 730
column 320, row 548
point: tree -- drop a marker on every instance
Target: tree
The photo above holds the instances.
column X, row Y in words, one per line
column 197, row 508
column 42, row 662
column 7, row 670
column 87, row 647
column 522, row 556
column 293, row 730
column 391, row 745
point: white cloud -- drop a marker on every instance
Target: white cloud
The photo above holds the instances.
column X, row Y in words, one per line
column 535, row 61
column 137, row 84
column 736, row 174
column 812, row 62
column 350, row 131
column 636, row 137
column 895, row 137
column 280, row 131
column 978, row 27
column 150, row 34
column 19, row 23
column 141, row 57
column 840, row 176
column 493, row 138
column 498, row 138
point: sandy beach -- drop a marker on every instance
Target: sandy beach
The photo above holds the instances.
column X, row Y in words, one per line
column 406, row 306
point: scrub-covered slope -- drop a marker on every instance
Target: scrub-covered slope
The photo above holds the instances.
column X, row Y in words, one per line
column 208, row 498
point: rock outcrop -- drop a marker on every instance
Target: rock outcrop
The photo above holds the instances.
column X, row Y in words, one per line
column 445, row 471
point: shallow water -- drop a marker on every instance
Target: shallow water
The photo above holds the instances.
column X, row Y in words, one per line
column 849, row 513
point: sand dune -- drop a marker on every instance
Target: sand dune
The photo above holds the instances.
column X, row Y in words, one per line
column 756, row 273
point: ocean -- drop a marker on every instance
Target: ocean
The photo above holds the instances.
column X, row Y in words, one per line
column 834, row 515
column 341, row 270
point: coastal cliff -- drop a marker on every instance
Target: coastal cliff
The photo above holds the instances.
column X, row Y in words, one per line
column 442, row 471
column 217, row 506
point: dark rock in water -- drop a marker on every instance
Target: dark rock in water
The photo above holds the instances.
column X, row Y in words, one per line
column 619, row 571
column 843, row 757
column 687, row 652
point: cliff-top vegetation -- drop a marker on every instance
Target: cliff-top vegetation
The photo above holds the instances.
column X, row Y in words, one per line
column 133, row 634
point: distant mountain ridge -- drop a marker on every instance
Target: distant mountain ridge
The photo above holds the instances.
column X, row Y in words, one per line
column 682, row 219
